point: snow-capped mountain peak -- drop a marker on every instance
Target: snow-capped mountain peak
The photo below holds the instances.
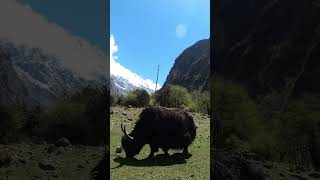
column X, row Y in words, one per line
column 123, row 79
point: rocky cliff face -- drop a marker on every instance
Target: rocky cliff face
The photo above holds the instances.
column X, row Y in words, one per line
column 191, row 68
column 268, row 44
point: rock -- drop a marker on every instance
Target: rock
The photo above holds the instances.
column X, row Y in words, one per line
column 51, row 148
column 268, row 166
column 314, row 175
column 37, row 178
column 60, row 150
column 129, row 106
column 46, row 165
column 119, row 149
column 124, row 113
column 62, row 142
column 23, row 161
column 129, row 119
column 69, row 148
column 177, row 178
column 197, row 125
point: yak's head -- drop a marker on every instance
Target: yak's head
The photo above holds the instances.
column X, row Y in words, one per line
column 129, row 144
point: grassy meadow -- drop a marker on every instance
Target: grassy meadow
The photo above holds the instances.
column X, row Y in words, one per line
column 160, row 167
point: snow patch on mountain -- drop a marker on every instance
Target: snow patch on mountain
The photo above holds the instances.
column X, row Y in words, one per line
column 125, row 79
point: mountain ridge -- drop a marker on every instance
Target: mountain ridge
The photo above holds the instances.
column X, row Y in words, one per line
column 191, row 67
column 31, row 76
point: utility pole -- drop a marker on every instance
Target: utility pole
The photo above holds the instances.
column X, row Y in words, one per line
column 157, row 78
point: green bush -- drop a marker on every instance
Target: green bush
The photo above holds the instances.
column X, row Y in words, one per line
column 173, row 96
column 136, row 98
column 238, row 117
column 13, row 119
column 200, row 102
column 277, row 126
column 82, row 118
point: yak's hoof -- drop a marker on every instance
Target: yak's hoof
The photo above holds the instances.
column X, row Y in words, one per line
column 166, row 155
column 150, row 156
column 187, row 155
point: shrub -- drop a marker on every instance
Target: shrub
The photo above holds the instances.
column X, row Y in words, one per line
column 173, row 96
column 113, row 100
column 136, row 98
column 6, row 123
column 200, row 102
column 238, row 115
column 82, row 118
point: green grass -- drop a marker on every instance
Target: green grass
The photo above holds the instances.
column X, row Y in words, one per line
column 196, row 167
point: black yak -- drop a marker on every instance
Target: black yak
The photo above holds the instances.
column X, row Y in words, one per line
column 160, row 128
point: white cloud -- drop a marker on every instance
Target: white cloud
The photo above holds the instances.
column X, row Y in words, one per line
column 118, row 70
column 181, row 31
column 22, row 26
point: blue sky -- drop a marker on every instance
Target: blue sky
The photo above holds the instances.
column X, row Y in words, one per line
column 145, row 32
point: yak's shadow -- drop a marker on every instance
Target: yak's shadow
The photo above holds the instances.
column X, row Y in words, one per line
column 157, row 160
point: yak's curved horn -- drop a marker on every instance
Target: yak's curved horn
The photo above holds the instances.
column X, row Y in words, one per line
column 123, row 128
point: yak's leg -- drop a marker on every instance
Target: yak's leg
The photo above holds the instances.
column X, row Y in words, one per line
column 153, row 150
column 186, row 152
column 165, row 150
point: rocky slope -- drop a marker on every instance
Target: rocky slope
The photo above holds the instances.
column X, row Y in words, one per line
column 191, row 68
column 38, row 160
column 32, row 76
column 268, row 44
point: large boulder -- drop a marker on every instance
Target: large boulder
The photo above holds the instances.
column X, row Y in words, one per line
column 63, row 142
column 46, row 165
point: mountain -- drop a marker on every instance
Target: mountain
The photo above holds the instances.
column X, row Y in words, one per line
column 272, row 49
column 42, row 61
column 268, row 45
column 191, row 68
column 123, row 80
column 34, row 77
column 121, row 86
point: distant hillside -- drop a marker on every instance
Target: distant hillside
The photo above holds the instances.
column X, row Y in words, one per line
column 41, row 61
column 191, row 68
column 31, row 76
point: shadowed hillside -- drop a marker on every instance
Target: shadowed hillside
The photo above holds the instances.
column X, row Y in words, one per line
column 191, row 68
column 265, row 95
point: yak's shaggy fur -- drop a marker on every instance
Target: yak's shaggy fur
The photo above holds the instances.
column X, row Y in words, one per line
column 160, row 128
